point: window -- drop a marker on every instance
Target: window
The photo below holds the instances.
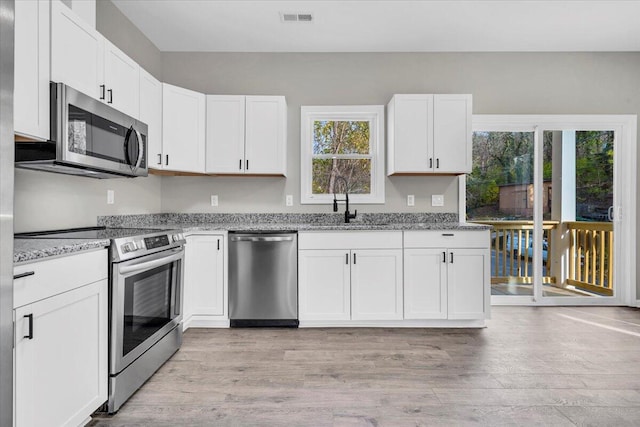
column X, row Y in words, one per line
column 342, row 151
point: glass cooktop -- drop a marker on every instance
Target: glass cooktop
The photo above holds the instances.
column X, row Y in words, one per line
column 93, row 233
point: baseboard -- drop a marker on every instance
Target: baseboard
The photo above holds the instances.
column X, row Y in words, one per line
column 438, row 323
column 638, row 303
column 205, row 322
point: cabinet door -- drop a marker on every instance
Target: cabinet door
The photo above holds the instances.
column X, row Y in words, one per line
column 151, row 114
column 266, row 135
column 77, row 51
column 61, row 373
column 452, row 133
column 411, row 134
column 324, row 285
column 376, row 284
column 31, row 92
column 204, row 276
column 183, row 127
column 425, row 284
column 466, row 272
column 225, row 134
column 122, row 81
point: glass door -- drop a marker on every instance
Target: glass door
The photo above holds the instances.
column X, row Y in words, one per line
column 553, row 189
column 500, row 193
column 578, row 179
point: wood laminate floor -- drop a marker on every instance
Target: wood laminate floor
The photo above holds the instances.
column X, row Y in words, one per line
column 531, row 366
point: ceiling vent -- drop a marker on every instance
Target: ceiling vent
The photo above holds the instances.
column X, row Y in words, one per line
column 296, row 17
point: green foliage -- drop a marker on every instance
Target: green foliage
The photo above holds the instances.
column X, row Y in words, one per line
column 501, row 158
column 339, row 139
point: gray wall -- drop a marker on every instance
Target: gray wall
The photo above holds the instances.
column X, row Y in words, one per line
column 501, row 83
column 116, row 27
column 46, row 201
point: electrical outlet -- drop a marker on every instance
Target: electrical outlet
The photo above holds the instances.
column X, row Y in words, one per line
column 437, row 200
column 411, row 200
column 111, row 197
column 214, row 200
column 289, row 200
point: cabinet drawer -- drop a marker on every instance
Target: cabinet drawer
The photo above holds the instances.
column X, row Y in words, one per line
column 350, row 240
column 447, row 239
column 58, row 275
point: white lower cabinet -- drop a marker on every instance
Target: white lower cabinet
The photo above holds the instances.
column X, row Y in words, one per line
column 466, row 283
column 324, row 288
column 376, row 284
column 447, row 275
column 60, row 362
column 425, row 284
column 350, row 276
column 205, row 295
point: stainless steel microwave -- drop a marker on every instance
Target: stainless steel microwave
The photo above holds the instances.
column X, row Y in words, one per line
column 88, row 138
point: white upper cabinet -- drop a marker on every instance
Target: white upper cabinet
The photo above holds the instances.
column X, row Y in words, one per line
column 151, row 114
column 452, row 134
column 266, row 135
column 225, row 133
column 121, row 80
column 429, row 134
column 83, row 59
column 246, row 135
column 183, row 129
column 31, row 91
column 77, row 52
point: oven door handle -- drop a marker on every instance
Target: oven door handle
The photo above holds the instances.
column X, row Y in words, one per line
column 147, row 265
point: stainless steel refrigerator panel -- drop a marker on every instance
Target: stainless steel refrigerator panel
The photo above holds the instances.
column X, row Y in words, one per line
column 6, row 211
column 263, row 276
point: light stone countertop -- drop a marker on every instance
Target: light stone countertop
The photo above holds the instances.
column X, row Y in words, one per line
column 34, row 249
column 25, row 250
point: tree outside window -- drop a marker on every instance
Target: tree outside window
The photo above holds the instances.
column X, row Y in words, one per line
column 339, row 143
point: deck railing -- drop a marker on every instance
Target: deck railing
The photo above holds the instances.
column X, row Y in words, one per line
column 513, row 251
column 591, row 256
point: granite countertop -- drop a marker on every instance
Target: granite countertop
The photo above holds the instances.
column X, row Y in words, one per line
column 295, row 222
column 34, row 249
column 265, row 226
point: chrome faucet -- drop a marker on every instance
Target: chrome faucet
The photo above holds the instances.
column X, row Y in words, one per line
column 347, row 215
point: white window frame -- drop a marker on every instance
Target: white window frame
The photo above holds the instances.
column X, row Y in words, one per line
column 374, row 114
column 625, row 128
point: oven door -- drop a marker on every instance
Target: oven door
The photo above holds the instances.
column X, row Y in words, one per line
column 146, row 303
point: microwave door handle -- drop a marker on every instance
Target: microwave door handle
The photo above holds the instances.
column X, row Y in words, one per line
column 147, row 265
column 140, row 148
column 125, row 146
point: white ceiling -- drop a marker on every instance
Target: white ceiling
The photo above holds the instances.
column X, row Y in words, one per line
column 388, row 26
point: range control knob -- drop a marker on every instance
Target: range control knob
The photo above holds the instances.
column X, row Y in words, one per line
column 129, row 247
column 176, row 237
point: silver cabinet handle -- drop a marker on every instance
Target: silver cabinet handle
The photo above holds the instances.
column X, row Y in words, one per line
column 261, row 239
column 448, row 234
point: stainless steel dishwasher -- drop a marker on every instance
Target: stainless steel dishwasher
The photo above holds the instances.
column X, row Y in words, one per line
column 263, row 279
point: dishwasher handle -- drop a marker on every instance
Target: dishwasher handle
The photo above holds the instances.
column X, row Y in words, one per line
column 262, row 239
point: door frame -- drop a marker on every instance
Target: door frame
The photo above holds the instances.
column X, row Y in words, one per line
column 625, row 160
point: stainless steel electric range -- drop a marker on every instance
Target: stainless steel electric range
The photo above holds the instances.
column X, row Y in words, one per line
column 146, row 268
